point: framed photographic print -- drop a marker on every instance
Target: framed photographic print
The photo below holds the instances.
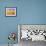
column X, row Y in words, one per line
column 10, row 11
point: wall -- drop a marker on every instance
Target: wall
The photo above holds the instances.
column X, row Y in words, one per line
column 28, row 12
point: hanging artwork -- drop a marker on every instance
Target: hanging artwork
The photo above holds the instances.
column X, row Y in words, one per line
column 10, row 11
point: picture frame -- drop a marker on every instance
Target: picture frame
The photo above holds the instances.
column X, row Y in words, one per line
column 10, row 11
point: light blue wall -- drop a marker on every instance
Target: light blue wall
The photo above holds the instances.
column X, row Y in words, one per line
column 28, row 12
